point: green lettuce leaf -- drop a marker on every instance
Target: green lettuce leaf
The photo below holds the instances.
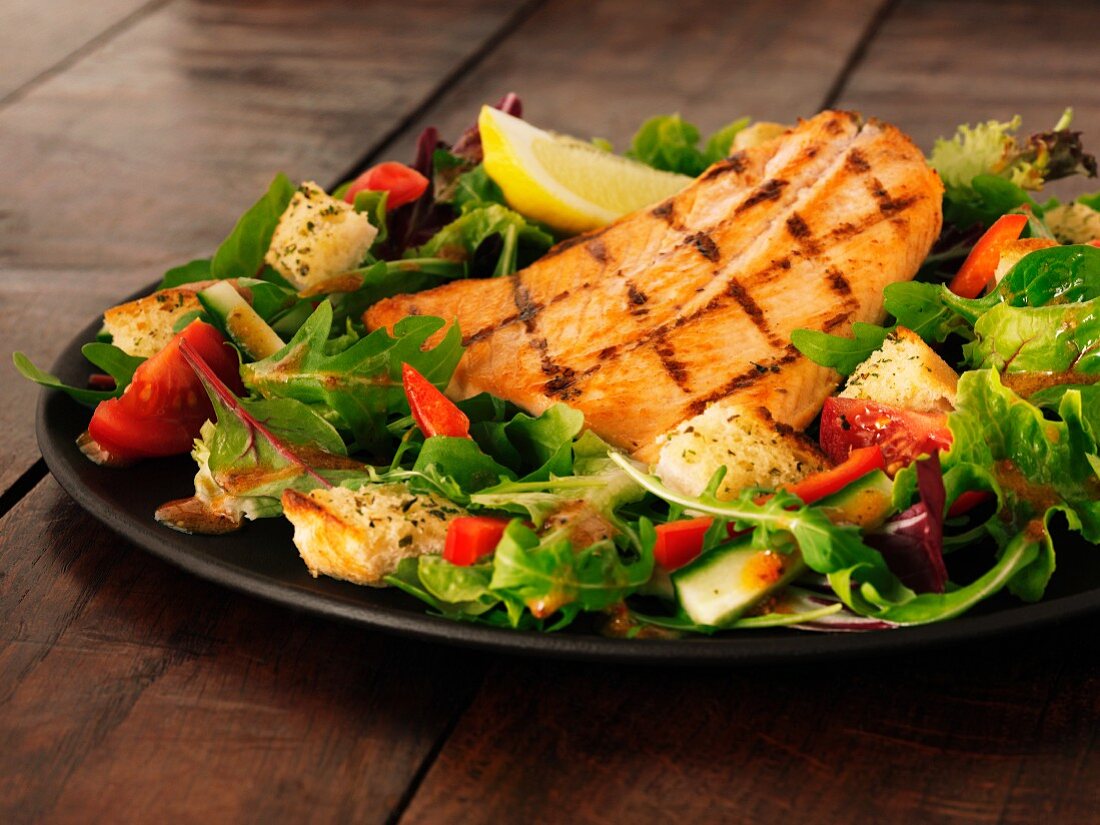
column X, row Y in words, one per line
column 241, row 254
column 189, row 273
column 670, row 143
column 1036, row 467
column 1057, row 275
column 1059, row 343
column 361, row 385
column 987, row 171
column 522, row 241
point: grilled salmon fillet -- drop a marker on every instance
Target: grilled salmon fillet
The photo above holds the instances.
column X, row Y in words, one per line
column 645, row 323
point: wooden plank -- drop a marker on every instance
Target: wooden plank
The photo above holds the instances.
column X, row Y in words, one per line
column 996, row 732
column 132, row 690
column 938, row 63
column 36, row 37
column 141, row 156
column 600, row 68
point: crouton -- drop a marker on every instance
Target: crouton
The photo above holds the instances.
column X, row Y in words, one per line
column 361, row 536
column 755, row 450
column 904, row 372
column 144, row 326
column 1012, row 251
column 318, row 238
column 1073, row 222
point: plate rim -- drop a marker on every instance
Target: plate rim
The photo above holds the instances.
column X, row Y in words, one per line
column 743, row 648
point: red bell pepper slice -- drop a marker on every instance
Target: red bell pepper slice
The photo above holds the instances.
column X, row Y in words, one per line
column 679, row 542
column 472, row 538
column 433, row 412
column 981, row 264
column 859, row 463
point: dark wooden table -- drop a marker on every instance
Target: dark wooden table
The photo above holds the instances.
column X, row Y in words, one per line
column 133, row 132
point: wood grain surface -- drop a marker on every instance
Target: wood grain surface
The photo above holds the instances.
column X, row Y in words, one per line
column 973, row 734
column 133, row 134
column 142, row 154
column 130, row 691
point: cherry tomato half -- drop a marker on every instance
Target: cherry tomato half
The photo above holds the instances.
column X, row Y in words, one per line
column 160, row 413
column 403, row 183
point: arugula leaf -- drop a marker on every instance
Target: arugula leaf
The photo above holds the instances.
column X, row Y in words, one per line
column 596, row 480
column 547, row 575
column 461, row 590
column 384, row 279
column 362, row 384
column 927, row 309
column 241, row 254
column 107, row 357
column 842, row 354
column 459, row 461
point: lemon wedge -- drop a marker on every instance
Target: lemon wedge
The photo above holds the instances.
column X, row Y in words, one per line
column 567, row 184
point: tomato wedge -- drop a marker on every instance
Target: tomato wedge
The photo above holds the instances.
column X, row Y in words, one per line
column 981, row 264
column 160, row 413
column 471, row 538
column 433, row 412
column 403, row 183
column 851, row 423
column 679, row 542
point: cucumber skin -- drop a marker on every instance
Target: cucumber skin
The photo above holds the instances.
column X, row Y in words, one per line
column 239, row 321
column 723, row 566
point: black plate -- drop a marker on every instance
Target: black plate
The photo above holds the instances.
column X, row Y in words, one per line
column 262, row 560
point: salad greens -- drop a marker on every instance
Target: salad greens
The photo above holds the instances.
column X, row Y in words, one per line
column 582, row 528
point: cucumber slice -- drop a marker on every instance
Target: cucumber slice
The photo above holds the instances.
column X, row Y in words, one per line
column 719, row 586
column 240, row 321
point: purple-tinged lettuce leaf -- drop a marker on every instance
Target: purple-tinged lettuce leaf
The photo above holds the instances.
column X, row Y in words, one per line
column 912, row 541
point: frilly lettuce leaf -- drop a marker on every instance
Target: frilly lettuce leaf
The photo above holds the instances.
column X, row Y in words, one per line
column 987, row 171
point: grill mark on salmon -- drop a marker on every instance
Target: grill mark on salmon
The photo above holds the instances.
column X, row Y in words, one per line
column 800, row 231
column 697, row 342
column 857, row 163
column 676, row 369
column 752, row 309
column 528, row 309
column 705, row 244
column 743, row 381
column 770, row 190
column 887, row 205
column 838, row 282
